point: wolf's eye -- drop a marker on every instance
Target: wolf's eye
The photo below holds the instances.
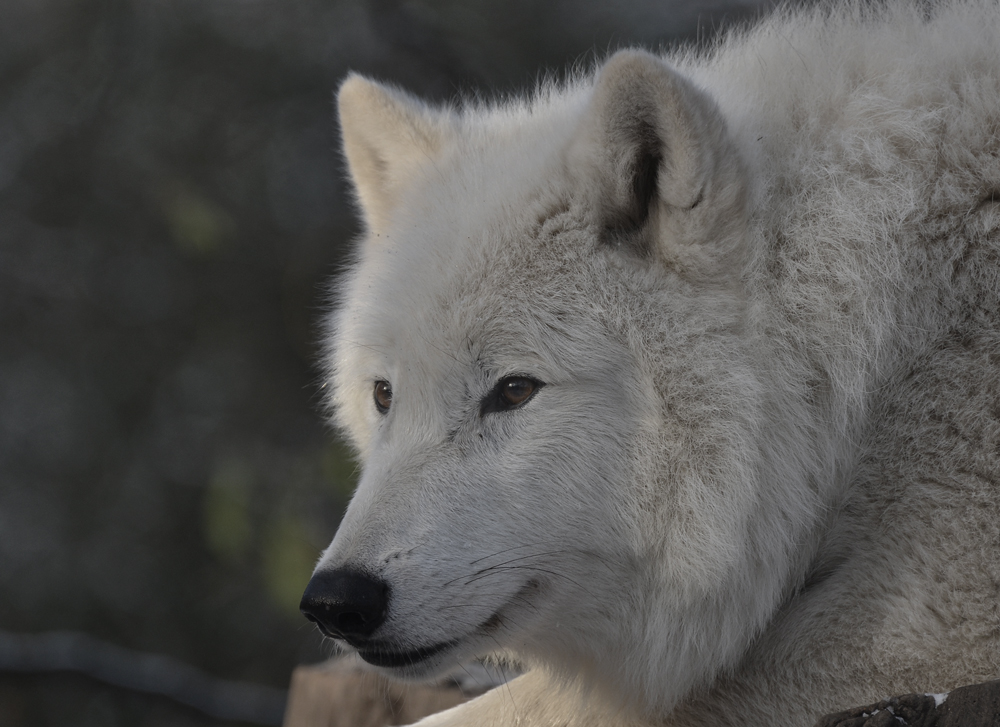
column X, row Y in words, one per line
column 516, row 390
column 383, row 396
column 510, row 393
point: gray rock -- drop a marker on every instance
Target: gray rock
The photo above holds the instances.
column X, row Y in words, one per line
column 977, row 705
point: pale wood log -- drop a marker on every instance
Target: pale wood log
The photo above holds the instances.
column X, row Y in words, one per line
column 341, row 693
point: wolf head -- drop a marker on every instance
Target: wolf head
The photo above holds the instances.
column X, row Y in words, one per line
column 539, row 357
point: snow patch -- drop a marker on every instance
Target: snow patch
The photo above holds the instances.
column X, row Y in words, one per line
column 938, row 698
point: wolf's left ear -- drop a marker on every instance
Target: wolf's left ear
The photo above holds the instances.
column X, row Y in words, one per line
column 654, row 153
column 387, row 135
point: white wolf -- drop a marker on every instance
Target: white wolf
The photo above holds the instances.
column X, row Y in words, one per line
column 680, row 383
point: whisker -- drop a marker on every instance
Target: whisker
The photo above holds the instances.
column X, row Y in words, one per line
column 537, row 569
column 507, row 550
column 524, row 557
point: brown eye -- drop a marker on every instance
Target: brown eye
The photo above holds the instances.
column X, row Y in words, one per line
column 510, row 393
column 383, row 396
column 516, row 390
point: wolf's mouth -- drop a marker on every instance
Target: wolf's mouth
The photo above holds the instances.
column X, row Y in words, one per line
column 380, row 657
column 376, row 655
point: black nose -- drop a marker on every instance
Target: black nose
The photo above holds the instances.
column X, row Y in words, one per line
column 345, row 603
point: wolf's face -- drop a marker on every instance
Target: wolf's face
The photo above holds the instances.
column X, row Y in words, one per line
column 493, row 410
column 534, row 356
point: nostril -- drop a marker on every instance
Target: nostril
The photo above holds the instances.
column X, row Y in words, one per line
column 351, row 623
column 346, row 603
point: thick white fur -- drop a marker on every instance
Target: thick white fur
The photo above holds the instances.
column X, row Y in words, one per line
column 763, row 475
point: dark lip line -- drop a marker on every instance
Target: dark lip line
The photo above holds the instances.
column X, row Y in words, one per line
column 377, row 657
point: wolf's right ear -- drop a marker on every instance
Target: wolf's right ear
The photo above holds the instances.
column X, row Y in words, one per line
column 387, row 134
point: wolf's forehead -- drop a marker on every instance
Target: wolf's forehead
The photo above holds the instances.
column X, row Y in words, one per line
column 487, row 254
column 493, row 302
column 493, row 292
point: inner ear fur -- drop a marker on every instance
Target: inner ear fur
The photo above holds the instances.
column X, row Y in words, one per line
column 387, row 135
column 664, row 177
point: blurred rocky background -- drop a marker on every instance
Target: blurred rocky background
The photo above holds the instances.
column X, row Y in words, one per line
column 172, row 211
